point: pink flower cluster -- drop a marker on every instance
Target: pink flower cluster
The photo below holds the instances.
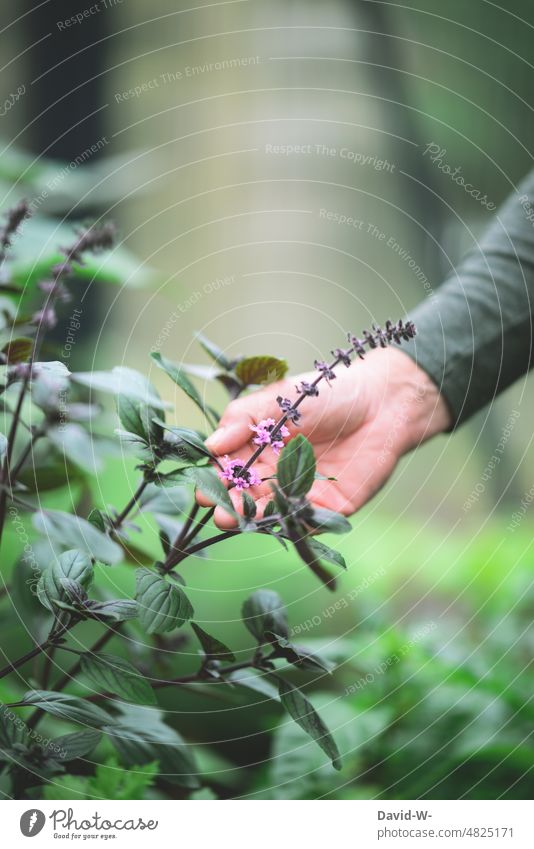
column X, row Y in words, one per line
column 234, row 472
column 263, row 434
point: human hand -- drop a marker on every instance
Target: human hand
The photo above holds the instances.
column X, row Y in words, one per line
column 359, row 428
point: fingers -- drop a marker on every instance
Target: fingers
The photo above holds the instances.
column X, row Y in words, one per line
column 234, row 438
column 229, row 438
column 226, row 522
column 202, row 500
column 234, row 429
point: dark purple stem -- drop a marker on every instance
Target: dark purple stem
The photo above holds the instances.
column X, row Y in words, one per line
column 380, row 338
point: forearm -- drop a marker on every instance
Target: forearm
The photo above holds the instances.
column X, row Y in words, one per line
column 475, row 333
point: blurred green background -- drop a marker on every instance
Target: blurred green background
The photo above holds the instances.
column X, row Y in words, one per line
column 195, row 169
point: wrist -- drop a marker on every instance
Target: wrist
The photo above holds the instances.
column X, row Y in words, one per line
column 412, row 402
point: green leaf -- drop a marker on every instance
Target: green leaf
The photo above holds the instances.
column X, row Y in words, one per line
column 297, row 766
column 183, row 443
column 204, row 372
column 36, row 250
column 116, row 610
column 214, row 352
column 296, row 467
column 233, row 386
column 17, row 350
column 264, row 611
column 12, row 733
column 328, row 521
column 171, row 501
column 72, row 746
column 67, row 707
column 297, row 655
column 178, row 376
column 49, row 472
column 116, row 675
column 211, row 645
column 205, row 479
column 305, row 715
column 249, row 506
column 110, row 781
column 206, row 794
column 73, row 565
column 98, row 518
column 326, row 553
column 73, row 441
column 136, row 444
column 122, row 381
column 75, row 594
column 3, row 446
column 298, row 536
column 50, row 384
column 162, row 606
column 270, row 509
column 74, row 532
column 143, row 738
column 113, row 782
column 6, row 784
column 139, row 418
column 253, row 680
column 260, row 370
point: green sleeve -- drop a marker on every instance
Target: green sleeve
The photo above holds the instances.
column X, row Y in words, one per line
column 474, row 334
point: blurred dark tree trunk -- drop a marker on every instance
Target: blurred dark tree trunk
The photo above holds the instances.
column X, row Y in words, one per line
column 67, row 97
column 64, row 106
column 384, row 50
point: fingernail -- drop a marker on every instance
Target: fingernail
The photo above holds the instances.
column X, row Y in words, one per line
column 215, row 438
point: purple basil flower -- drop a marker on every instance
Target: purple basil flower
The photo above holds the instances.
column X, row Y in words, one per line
column 234, row 472
column 327, row 372
column 343, row 355
column 56, row 288
column 46, row 318
column 263, row 434
column 287, row 407
column 309, row 389
column 21, row 371
column 357, row 344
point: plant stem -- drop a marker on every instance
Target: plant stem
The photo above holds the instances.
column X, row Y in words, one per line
column 17, row 500
column 187, row 526
column 182, row 541
column 4, row 474
column 182, row 681
column 131, row 503
column 67, row 678
column 179, row 556
column 199, row 525
column 195, row 679
column 99, row 644
column 52, row 637
column 88, row 240
column 15, row 471
column 12, row 667
column 47, row 667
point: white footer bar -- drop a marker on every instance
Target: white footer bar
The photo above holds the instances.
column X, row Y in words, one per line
column 262, row 825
